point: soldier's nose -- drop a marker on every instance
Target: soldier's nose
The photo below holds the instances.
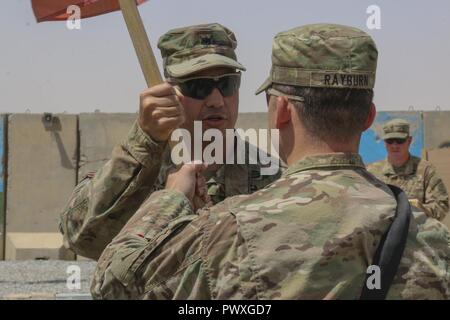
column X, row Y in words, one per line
column 215, row 99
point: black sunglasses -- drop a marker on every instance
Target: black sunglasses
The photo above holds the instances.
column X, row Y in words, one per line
column 201, row 87
column 396, row 141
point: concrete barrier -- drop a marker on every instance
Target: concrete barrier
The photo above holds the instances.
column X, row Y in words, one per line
column 46, row 158
column 42, row 167
column 99, row 133
column 39, row 246
column 2, row 184
column 437, row 129
column 256, row 120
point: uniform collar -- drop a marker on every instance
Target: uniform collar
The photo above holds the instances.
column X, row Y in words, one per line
column 326, row 160
column 406, row 169
column 226, row 175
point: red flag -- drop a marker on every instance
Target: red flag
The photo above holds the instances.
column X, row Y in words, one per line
column 56, row 10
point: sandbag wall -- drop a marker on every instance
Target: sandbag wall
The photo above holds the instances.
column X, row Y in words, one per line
column 43, row 156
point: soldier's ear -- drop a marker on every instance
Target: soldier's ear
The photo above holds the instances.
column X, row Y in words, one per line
column 283, row 113
column 370, row 117
column 410, row 138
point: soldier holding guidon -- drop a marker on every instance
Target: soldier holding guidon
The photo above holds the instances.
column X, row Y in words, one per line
column 200, row 62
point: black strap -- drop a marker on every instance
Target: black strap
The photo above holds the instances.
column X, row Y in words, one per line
column 391, row 247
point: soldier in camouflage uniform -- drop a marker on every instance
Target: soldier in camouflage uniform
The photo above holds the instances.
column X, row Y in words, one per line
column 309, row 235
column 102, row 203
column 417, row 177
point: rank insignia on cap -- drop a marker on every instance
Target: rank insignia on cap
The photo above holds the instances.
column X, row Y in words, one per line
column 206, row 40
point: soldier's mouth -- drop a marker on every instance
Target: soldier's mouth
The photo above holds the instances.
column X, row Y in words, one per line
column 214, row 120
column 215, row 117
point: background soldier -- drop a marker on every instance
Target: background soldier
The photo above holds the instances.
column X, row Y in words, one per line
column 200, row 60
column 417, row 177
column 311, row 234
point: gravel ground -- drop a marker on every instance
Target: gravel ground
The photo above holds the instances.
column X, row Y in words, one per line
column 37, row 279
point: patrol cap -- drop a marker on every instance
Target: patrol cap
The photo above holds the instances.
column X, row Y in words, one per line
column 195, row 48
column 323, row 56
column 395, row 129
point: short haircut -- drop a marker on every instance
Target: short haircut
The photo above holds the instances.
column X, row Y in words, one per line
column 331, row 114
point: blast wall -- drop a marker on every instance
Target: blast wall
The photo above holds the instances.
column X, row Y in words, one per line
column 43, row 157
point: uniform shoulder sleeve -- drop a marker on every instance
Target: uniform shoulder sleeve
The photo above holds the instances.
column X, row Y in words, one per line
column 424, row 271
column 376, row 168
column 166, row 252
column 436, row 201
column 102, row 203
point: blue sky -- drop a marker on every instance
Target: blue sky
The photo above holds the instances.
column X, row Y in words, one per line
column 47, row 68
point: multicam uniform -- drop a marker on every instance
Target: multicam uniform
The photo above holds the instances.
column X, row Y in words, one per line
column 101, row 205
column 419, row 179
column 310, row 235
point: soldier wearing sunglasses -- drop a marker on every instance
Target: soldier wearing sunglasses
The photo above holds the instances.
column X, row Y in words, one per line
column 203, row 79
column 417, row 177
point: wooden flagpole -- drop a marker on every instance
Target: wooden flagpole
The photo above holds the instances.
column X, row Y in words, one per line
column 141, row 45
column 141, row 42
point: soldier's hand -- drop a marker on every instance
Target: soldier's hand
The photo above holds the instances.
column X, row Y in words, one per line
column 159, row 111
column 184, row 180
column 414, row 202
column 201, row 197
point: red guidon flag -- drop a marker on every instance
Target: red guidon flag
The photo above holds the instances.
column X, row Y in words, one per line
column 56, row 10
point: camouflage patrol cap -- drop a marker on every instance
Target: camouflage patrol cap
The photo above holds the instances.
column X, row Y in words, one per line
column 323, row 55
column 396, row 129
column 192, row 49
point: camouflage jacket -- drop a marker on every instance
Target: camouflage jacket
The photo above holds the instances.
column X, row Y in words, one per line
column 418, row 178
column 309, row 235
column 101, row 204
